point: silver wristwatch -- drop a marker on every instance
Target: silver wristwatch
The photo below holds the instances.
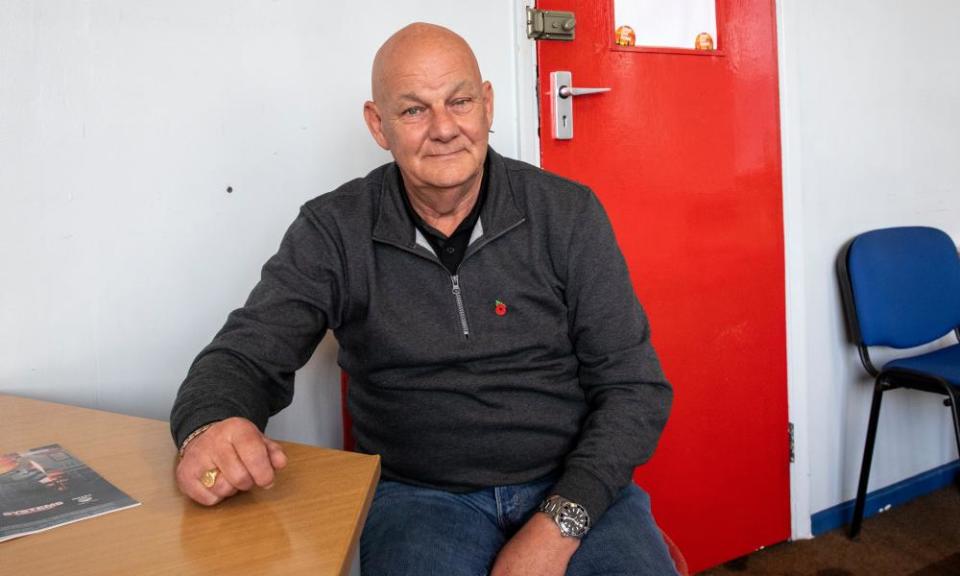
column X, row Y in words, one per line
column 571, row 518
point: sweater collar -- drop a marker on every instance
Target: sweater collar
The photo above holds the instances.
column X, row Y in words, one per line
column 499, row 212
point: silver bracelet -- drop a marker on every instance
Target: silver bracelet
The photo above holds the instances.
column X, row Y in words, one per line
column 193, row 435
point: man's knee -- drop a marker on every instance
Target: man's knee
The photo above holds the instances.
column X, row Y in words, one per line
column 626, row 540
column 412, row 530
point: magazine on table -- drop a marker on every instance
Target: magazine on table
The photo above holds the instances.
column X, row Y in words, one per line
column 46, row 487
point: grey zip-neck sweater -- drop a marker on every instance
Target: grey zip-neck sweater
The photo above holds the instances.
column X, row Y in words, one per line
column 533, row 358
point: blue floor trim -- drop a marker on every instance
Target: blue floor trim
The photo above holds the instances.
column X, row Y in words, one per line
column 893, row 495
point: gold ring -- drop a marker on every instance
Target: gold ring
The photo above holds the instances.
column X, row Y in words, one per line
column 209, row 477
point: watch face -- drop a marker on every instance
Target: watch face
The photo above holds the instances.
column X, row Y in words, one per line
column 573, row 520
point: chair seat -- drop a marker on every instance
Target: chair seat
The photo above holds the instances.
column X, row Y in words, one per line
column 944, row 363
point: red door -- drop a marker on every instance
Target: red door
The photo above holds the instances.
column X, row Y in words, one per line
column 684, row 153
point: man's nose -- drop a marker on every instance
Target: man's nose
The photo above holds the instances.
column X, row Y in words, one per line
column 443, row 125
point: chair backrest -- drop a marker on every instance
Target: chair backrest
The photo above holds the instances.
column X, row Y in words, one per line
column 349, row 444
column 902, row 286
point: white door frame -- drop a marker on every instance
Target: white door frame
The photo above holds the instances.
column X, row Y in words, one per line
column 525, row 68
column 797, row 361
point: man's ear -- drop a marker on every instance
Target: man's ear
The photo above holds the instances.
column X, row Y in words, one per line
column 488, row 101
column 371, row 115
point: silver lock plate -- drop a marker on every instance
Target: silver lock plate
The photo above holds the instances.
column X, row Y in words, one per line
column 562, row 107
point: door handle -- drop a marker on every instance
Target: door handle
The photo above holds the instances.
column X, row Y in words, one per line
column 561, row 97
column 568, row 91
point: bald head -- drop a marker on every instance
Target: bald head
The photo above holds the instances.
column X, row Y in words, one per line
column 419, row 45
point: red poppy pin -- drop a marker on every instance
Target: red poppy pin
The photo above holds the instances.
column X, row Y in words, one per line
column 500, row 308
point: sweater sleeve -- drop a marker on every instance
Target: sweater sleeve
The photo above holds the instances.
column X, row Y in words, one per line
column 628, row 395
column 248, row 369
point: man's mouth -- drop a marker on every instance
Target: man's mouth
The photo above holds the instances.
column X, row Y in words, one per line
column 443, row 154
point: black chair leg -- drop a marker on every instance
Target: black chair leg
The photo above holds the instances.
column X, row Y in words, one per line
column 867, row 459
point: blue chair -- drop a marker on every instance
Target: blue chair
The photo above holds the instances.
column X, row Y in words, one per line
column 901, row 289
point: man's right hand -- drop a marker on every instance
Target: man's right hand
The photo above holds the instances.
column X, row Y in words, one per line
column 235, row 446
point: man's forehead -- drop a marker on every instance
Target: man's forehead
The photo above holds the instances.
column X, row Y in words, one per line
column 423, row 54
column 426, row 83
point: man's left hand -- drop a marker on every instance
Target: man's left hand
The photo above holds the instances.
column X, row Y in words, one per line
column 538, row 549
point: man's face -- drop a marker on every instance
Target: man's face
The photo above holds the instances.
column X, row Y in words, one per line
column 433, row 112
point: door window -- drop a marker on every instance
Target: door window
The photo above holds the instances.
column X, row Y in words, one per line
column 678, row 24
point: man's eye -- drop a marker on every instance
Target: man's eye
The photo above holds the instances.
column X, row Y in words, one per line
column 413, row 111
column 462, row 102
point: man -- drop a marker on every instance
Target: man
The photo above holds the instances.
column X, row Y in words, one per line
column 500, row 363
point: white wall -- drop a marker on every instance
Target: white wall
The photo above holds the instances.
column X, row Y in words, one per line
column 121, row 126
column 871, row 133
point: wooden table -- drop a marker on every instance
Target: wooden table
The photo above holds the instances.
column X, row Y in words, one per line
column 308, row 523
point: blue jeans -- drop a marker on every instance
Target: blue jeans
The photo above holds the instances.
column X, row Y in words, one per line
column 415, row 531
